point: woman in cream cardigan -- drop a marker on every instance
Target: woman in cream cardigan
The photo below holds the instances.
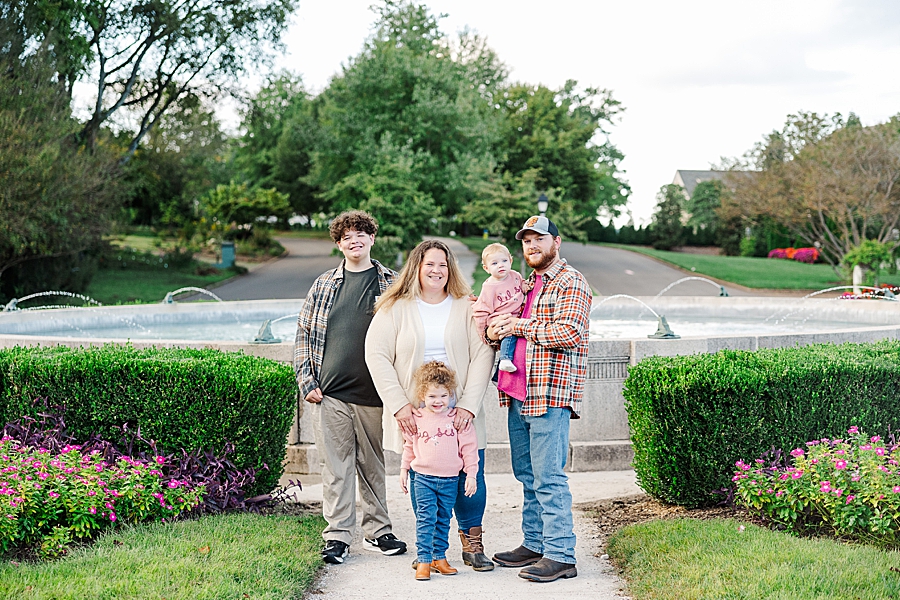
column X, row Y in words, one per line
column 427, row 315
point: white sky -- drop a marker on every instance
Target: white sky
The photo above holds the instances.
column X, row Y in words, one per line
column 699, row 79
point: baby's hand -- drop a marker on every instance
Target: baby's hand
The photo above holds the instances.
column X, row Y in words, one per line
column 471, row 486
column 526, row 286
column 404, row 475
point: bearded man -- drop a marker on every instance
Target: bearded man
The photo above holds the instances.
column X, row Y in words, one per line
column 542, row 396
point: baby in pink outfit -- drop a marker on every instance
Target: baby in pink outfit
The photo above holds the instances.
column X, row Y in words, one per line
column 501, row 294
column 436, row 453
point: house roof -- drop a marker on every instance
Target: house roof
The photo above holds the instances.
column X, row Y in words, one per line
column 689, row 179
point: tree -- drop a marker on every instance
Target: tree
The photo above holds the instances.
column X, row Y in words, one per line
column 668, row 230
column 838, row 188
column 143, row 56
column 870, row 256
column 55, row 200
column 554, row 131
column 408, row 88
column 177, row 162
column 281, row 135
column 704, row 204
column 389, row 192
column 239, row 205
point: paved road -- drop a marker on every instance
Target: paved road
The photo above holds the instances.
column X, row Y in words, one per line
column 612, row 271
column 287, row 277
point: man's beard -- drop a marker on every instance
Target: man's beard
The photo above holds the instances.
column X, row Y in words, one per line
column 545, row 260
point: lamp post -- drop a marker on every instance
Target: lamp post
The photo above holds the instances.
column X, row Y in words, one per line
column 542, row 204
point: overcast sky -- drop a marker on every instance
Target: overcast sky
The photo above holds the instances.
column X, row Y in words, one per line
column 699, row 79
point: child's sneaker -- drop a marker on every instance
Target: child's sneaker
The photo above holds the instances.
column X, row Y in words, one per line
column 507, row 365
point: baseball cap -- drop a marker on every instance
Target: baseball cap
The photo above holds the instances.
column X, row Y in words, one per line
column 541, row 225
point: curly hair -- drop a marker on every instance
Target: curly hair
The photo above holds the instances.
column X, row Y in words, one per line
column 356, row 220
column 434, row 373
column 407, row 286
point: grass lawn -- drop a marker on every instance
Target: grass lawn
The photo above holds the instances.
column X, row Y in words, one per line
column 476, row 245
column 752, row 272
column 232, row 556
column 145, row 283
column 306, row 234
column 693, row 559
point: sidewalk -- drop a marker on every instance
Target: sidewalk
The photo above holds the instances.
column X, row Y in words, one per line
column 367, row 575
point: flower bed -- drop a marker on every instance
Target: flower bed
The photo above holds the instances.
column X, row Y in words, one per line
column 804, row 255
column 850, row 486
column 54, row 499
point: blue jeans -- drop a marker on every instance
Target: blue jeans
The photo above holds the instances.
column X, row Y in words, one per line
column 469, row 511
column 539, row 447
column 435, row 498
column 508, row 347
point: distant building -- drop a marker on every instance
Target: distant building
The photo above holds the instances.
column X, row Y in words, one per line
column 689, row 179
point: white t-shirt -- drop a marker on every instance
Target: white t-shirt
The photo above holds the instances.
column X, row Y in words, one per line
column 434, row 321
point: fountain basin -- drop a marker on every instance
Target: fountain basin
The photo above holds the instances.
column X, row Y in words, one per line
column 599, row 440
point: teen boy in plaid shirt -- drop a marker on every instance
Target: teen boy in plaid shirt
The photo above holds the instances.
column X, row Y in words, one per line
column 329, row 361
column 542, row 396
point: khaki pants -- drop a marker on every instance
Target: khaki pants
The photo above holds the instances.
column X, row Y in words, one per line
column 348, row 438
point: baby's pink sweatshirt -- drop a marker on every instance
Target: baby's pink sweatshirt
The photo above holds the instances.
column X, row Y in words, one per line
column 438, row 449
column 498, row 298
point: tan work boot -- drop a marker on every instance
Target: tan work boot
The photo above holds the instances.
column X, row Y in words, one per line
column 473, row 550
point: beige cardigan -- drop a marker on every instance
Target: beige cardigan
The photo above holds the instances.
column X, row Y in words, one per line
column 395, row 347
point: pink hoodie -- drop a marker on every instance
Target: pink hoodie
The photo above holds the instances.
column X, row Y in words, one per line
column 438, row 449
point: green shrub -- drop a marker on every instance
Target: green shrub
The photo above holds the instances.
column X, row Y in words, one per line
column 692, row 417
column 181, row 398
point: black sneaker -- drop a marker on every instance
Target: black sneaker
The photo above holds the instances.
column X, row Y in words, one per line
column 387, row 544
column 335, row 551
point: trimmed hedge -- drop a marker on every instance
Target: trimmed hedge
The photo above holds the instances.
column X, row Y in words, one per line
column 692, row 417
column 181, row 398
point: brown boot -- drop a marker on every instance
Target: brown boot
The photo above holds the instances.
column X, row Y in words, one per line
column 423, row 571
column 442, row 566
column 473, row 550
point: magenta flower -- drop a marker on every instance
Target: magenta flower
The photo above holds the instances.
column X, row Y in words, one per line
column 850, row 498
column 839, row 452
column 160, row 460
column 173, row 484
column 53, row 495
column 896, row 489
column 797, row 452
column 93, row 510
column 879, row 451
column 853, row 430
column 875, row 438
column 840, row 465
column 112, row 516
column 797, row 475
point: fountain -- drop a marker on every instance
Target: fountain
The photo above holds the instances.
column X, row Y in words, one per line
column 599, row 440
column 170, row 297
column 721, row 288
column 14, row 303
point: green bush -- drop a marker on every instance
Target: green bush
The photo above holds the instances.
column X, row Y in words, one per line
column 692, row 417
column 181, row 398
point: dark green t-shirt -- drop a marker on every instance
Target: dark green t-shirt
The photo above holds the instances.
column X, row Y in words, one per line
column 344, row 374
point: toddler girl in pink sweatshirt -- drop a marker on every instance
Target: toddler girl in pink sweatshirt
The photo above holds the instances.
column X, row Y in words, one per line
column 436, row 453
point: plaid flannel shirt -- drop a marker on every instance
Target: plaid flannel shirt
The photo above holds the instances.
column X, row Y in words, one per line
column 556, row 334
column 309, row 344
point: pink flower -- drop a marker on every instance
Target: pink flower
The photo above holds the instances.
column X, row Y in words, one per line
column 93, row 510
column 875, row 438
column 173, row 484
column 850, row 498
column 840, row 465
column 785, row 477
column 797, row 452
column 879, row 451
column 92, row 493
column 814, row 461
column 853, row 430
column 838, row 493
column 839, row 452
column 797, row 475
column 53, row 495
column 160, row 460
column 896, row 489
column 112, row 516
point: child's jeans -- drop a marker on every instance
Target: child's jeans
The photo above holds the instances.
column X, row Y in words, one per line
column 435, row 497
column 508, row 347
